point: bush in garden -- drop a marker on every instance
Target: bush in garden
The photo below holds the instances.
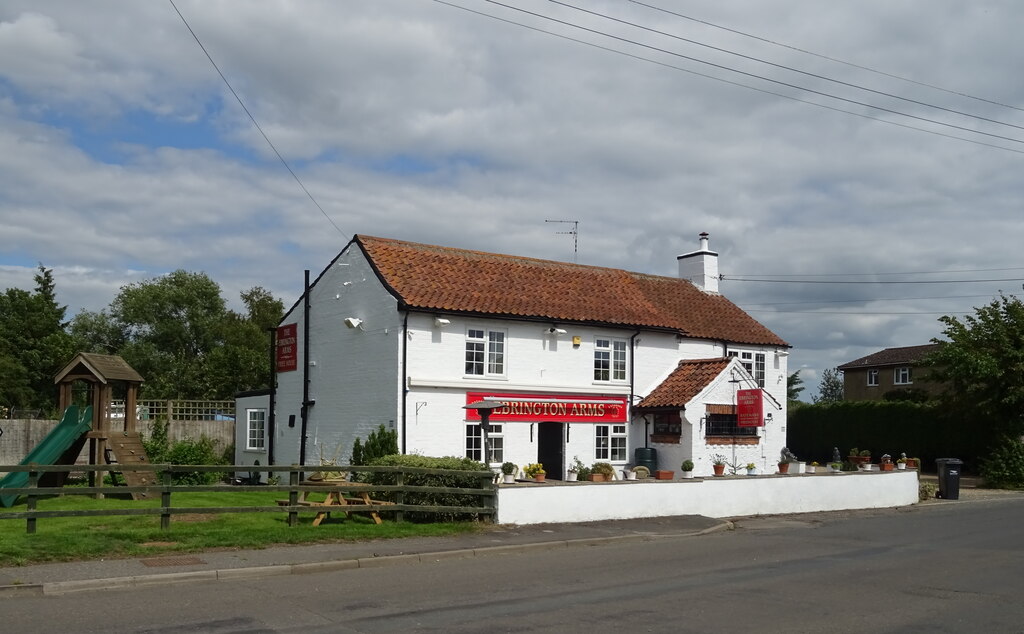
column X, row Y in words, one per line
column 379, row 443
column 430, row 499
column 1004, row 465
column 160, row 450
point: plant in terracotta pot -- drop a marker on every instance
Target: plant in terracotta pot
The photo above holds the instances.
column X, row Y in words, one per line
column 718, row 464
column 508, row 472
column 687, row 468
column 786, row 457
column 602, row 472
column 536, row 471
column 885, row 463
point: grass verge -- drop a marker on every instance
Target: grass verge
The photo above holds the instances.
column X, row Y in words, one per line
column 83, row 538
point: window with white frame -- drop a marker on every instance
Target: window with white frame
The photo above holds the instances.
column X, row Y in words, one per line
column 872, row 378
column 256, row 429
column 485, row 352
column 610, row 443
column 609, row 359
column 901, row 376
column 474, row 443
column 753, row 362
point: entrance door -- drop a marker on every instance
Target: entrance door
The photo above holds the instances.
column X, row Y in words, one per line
column 551, row 448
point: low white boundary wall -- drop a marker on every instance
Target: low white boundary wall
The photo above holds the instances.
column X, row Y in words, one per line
column 711, row 497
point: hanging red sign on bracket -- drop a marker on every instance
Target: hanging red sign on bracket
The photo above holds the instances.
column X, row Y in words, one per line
column 749, row 408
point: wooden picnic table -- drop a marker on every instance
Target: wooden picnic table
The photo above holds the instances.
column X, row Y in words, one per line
column 340, row 495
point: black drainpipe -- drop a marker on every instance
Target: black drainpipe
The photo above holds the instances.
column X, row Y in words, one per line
column 632, row 376
column 271, row 419
column 405, row 377
column 304, row 412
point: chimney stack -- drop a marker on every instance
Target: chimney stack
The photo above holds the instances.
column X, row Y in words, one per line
column 700, row 267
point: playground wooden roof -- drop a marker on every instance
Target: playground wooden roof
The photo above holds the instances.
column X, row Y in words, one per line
column 105, row 367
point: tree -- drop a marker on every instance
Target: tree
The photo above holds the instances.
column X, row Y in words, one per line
column 33, row 343
column 981, row 364
column 794, row 385
column 830, row 389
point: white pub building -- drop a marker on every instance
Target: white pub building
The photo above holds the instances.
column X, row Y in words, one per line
column 590, row 363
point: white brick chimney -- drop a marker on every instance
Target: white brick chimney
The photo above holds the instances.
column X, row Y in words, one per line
column 700, row 267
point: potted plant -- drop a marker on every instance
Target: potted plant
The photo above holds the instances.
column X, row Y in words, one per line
column 901, row 463
column 508, row 472
column 628, row 473
column 718, row 464
column 751, row 468
column 536, row 471
column 885, row 463
column 687, row 468
column 602, row 472
column 813, row 467
column 865, row 460
column 786, row 458
column 835, row 467
column 573, row 473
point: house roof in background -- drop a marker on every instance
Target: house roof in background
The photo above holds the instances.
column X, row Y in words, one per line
column 444, row 279
column 685, row 382
column 891, row 356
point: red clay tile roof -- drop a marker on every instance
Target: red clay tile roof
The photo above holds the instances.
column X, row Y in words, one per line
column 891, row 356
column 438, row 278
column 685, row 382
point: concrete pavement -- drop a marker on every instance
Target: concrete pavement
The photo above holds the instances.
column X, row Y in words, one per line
column 227, row 565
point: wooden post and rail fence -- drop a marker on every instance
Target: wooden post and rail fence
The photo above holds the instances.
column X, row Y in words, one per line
column 297, row 489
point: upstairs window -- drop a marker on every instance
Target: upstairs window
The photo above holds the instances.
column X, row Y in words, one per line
column 872, row 378
column 753, row 362
column 901, row 376
column 609, row 360
column 485, row 352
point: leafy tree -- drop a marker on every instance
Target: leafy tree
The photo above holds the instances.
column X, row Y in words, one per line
column 981, row 364
column 33, row 343
column 381, row 442
column 830, row 389
column 794, row 385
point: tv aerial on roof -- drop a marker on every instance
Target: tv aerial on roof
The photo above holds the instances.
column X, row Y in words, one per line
column 575, row 233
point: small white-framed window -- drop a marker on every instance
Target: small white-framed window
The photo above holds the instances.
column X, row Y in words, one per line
column 485, row 352
column 255, row 429
column 474, row 443
column 610, row 443
column 753, row 362
column 872, row 378
column 610, row 359
column 901, row 376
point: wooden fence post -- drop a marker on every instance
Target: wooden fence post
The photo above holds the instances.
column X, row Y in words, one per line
column 165, row 500
column 293, row 496
column 488, row 501
column 400, row 496
column 30, row 502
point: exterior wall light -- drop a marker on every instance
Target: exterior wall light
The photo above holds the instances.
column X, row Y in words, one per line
column 441, row 322
column 354, row 322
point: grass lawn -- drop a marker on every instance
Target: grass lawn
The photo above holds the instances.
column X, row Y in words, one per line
column 78, row 538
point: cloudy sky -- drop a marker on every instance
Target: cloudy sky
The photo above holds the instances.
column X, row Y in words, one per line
column 836, row 142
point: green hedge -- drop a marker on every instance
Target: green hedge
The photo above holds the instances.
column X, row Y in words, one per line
column 924, row 431
column 436, row 499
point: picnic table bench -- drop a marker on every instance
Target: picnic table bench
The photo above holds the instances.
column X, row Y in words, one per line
column 340, row 495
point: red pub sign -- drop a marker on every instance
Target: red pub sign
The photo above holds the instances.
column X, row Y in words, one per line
column 287, row 348
column 536, row 408
column 749, row 408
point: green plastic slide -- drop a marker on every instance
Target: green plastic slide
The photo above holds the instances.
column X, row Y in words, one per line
column 69, row 431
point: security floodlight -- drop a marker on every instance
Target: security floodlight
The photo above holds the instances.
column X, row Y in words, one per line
column 556, row 331
column 353, row 322
column 441, row 322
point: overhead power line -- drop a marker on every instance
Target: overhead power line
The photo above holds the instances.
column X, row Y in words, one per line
column 866, row 300
column 723, row 80
column 826, row 57
column 749, row 74
column 783, row 66
column 254, row 122
column 745, row 279
column 1012, row 268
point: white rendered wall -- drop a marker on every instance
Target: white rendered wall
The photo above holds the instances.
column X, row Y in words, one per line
column 711, row 497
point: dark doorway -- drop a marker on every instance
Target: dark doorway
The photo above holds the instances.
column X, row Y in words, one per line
column 551, row 449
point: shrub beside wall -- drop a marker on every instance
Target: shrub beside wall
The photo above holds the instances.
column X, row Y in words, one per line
column 924, row 431
column 436, row 499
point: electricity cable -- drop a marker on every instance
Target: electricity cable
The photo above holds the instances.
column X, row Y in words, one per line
column 826, row 57
column 254, row 122
column 752, row 75
column 727, row 81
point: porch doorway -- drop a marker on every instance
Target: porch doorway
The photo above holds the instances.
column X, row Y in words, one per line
column 551, row 449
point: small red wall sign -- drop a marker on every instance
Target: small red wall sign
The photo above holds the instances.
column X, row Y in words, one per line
column 287, row 348
column 749, row 408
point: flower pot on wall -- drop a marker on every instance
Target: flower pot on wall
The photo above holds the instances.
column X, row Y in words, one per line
column 901, row 465
column 510, row 478
column 783, row 467
column 571, row 476
column 687, row 475
column 663, row 474
column 539, row 477
column 719, row 469
column 596, row 477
